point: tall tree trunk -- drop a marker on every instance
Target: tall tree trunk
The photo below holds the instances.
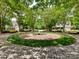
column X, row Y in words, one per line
column 64, row 23
column 1, row 25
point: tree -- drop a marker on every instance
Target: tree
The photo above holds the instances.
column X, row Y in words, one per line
column 50, row 11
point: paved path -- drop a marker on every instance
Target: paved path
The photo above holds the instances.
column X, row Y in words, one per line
column 24, row 52
column 11, row 51
column 76, row 36
column 4, row 36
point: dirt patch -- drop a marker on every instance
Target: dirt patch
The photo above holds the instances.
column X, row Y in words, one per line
column 41, row 36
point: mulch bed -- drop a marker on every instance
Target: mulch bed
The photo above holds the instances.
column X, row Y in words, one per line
column 41, row 36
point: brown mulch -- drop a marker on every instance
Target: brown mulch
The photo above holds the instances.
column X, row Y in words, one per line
column 41, row 36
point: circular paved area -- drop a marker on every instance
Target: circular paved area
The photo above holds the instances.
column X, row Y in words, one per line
column 11, row 51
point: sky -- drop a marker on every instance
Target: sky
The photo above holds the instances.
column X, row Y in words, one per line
column 33, row 4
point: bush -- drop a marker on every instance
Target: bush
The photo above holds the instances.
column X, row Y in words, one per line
column 14, row 39
column 63, row 40
column 66, row 40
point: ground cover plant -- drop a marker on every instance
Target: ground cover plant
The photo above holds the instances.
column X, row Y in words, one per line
column 63, row 41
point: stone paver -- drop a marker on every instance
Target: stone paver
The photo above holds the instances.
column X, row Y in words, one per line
column 76, row 36
column 11, row 51
column 23, row 52
column 4, row 36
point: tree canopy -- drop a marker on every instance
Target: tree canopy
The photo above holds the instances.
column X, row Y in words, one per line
column 50, row 11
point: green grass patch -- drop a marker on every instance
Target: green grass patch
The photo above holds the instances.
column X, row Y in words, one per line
column 63, row 40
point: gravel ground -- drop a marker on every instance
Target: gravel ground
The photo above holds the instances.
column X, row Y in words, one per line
column 23, row 52
column 11, row 51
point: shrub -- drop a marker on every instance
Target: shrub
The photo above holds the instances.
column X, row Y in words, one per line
column 14, row 39
column 66, row 40
column 63, row 40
